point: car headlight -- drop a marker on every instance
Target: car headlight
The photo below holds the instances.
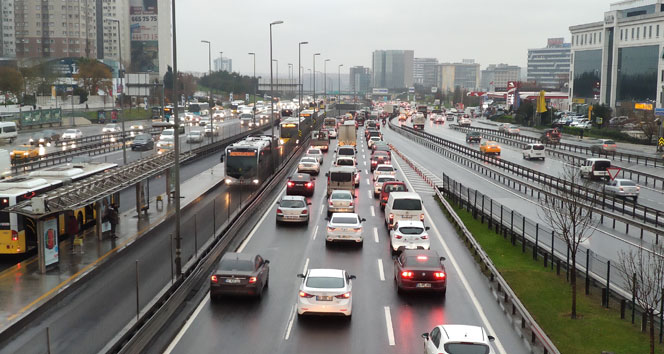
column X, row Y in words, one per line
column 11, row 153
column 31, row 140
column 26, row 153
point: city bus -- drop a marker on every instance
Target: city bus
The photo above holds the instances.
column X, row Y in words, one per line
column 18, row 234
column 249, row 161
column 288, row 129
column 330, row 123
column 199, row 108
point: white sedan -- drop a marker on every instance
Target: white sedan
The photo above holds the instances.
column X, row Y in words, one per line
column 309, row 165
column 340, row 201
column 464, row 339
column 373, row 140
column 316, row 153
column 344, row 227
column 111, row 128
column 409, row 235
column 325, row 291
column 72, row 134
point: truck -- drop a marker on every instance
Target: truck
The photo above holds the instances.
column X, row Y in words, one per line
column 320, row 139
column 389, row 108
column 418, row 121
column 347, row 134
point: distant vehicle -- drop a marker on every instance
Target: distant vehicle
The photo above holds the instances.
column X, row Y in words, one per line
column 457, row 339
column 300, row 184
column 464, row 122
column 320, row 139
column 341, row 201
column 593, row 168
column 489, row 147
column 347, row 134
column 240, row 274
column 24, row 153
column 378, row 183
column 212, row 130
column 309, row 164
column 293, row 208
column 513, row 130
column 111, row 128
column 325, row 291
column 550, row 136
column 604, row 146
column 389, row 187
column 195, row 137
column 473, row 137
column 379, row 158
column 142, row 142
column 533, row 151
column 502, row 127
column 9, row 131
column 199, row 108
column 315, row 153
column 71, row 134
column 420, row 270
column 622, row 187
column 418, row 120
column 403, row 206
column 44, row 137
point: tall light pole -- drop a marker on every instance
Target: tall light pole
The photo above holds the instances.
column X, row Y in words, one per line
column 314, row 73
column 276, row 65
column 210, row 87
column 310, row 82
column 299, row 85
column 272, row 87
column 254, row 108
column 325, row 80
column 221, row 61
column 339, row 92
column 121, row 77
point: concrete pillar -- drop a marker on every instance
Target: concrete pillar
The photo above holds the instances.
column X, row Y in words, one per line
column 40, row 246
column 98, row 220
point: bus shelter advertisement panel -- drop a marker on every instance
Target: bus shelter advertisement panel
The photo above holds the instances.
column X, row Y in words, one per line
column 51, row 241
column 144, row 35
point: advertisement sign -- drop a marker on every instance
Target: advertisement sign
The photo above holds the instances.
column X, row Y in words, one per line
column 643, row 106
column 144, row 29
column 411, row 90
column 659, row 111
column 553, row 42
column 51, row 241
column 380, row 91
column 434, row 89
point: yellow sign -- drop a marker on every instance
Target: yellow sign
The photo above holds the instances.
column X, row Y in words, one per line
column 579, row 100
column 541, row 102
column 661, row 141
column 242, row 153
column 643, row 106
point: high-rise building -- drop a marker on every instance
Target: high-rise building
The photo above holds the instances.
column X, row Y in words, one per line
column 549, row 66
column 109, row 36
column 466, row 75
column 223, row 64
column 360, row 79
column 617, row 61
column 7, row 30
column 425, row 71
column 496, row 77
column 392, row 69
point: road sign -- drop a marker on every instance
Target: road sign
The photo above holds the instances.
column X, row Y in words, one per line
column 613, row 172
column 659, row 111
column 643, row 106
column 411, row 90
column 661, row 141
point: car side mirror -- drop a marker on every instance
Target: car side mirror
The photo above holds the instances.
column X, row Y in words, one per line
column 491, row 338
column 267, row 261
column 327, row 219
column 363, row 220
column 442, row 259
column 327, row 174
column 352, row 277
column 425, row 336
column 278, row 203
column 222, row 158
column 308, row 203
column 300, row 275
column 427, row 228
column 313, row 178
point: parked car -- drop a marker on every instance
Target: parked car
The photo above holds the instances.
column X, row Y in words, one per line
column 240, row 274
column 293, row 208
column 622, row 187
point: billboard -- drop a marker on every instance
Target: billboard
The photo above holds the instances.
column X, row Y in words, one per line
column 380, row 91
column 144, row 29
column 50, row 241
column 554, row 42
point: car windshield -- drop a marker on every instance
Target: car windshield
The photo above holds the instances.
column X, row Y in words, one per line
column 407, row 204
column 345, row 162
column 627, row 183
column 347, row 152
column 341, row 196
column 385, row 169
column 538, row 147
column 168, row 132
column 325, row 282
column 383, row 179
column 411, row 230
column 395, row 188
column 308, row 160
column 340, row 176
column 289, row 203
column 70, row 131
column 466, row 348
column 352, row 220
column 314, row 152
column 602, row 165
column 609, row 142
column 236, row 264
column 142, row 137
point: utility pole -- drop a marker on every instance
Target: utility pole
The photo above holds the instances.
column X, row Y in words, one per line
column 178, row 236
column 338, row 92
column 325, row 80
column 253, row 110
column 299, row 83
column 272, row 87
column 314, row 80
column 121, row 74
column 210, row 100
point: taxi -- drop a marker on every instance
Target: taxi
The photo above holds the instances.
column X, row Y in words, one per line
column 490, row 148
column 24, row 152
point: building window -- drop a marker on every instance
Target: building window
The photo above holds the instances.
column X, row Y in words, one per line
column 638, row 29
column 600, row 37
column 595, row 38
column 632, row 33
column 650, row 32
column 657, row 31
column 621, row 34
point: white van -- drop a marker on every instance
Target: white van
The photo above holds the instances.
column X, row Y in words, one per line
column 534, row 151
column 403, row 206
column 5, row 164
column 9, row 131
column 341, row 178
column 593, row 168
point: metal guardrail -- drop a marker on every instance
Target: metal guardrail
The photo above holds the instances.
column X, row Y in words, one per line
column 595, row 198
column 504, row 294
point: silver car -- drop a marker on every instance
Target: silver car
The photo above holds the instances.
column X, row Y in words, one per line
column 344, row 227
column 309, row 165
column 622, row 187
column 315, row 153
column 195, row 137
column 293, row 208
column 340, row 201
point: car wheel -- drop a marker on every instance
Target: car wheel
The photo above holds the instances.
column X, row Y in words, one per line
column 328, row 243
column 307, row 222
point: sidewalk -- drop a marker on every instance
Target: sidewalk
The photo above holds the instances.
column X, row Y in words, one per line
column 23, row 288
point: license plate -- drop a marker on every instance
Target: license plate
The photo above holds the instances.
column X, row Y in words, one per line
column 233, row 281
column 291, row 216
column 423, row 285
column 324, row 298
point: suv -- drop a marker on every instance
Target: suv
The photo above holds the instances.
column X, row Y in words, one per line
column 550, row 136
column 473, row 136
column 457, row 339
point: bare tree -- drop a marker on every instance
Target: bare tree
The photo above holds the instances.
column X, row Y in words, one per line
column 570, row 218
column 643, row 271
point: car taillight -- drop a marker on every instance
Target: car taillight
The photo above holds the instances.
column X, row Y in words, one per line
column 309, row 184
column 351, row 203
column 305, row 211
column 252, row 280
column 424, row 237
column 374, row 162
column 398, row 237
column 385, row 198
column 343, row 296
column 407, row 274
column 305, row 295
column 279, row 211
column 605, row 145
column 214, row 279
column 290, row 184
column 439, row 275
column 14, row 235
column 421, row 217
column 621, row 189
column 331, row 228
column 638, row 188
column 331, row 203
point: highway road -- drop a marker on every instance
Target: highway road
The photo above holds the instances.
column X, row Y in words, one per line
column 383, row 321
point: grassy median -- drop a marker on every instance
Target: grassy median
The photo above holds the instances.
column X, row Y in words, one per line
column 548, row 298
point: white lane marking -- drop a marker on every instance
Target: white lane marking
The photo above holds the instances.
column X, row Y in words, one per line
column 365, row 163
column 315, row 232
column 462, row 277
column 369, row 193
column 375, row 232
column 187, row 324
column 320, row 212
column 253, row 231
column 290, row 323
column 388, row 325
column 373, row 211
column 380, row 270
column 306, row 265
column 367, row 180
column 363, row 156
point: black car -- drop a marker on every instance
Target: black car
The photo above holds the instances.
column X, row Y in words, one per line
column 420, row 270
column 240, row 274
column 45, row 136
column 473, row 137
column 142, row 142
column 300, row 184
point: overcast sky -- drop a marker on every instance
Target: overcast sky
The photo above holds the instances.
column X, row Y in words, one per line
column 348, row 31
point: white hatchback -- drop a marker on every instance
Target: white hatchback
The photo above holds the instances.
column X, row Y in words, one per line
column 457, row 339
column 325, row 291
column 344, row 227
column 378, row 183
column 384, row 170
column 409, row 235
column 315, row 153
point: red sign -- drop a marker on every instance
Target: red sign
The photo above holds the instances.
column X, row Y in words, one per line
column 613, row 172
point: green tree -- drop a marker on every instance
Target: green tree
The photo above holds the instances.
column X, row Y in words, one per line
column 602, row 110
column 39, row 78
column 11, row 81
column 94, row 75
column 458, row 95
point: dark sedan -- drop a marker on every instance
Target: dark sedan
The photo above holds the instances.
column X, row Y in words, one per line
column 240, row 274
column 420, row 270
column 43, row 137
column 300, row 184
column 142, row 142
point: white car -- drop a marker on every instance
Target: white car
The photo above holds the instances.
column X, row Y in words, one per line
column 344, row 227
column 71, row 134
column 325, row 291
column 534, row 151
column 309, row 165
column 111, row 128
column 409, row 235
column 384, row 170
column 372, row 140
column 316, row 153
column 340, row 201
column 502, row 127
column 195, row 137
column 378, row 183
column 513, row 129
column 457, row 339
column 167, row 134
column 333, row 133
column 219, row 116
column 622, row 187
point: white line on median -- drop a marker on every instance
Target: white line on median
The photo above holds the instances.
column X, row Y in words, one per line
column 253, row 231
column 388, row 324
column 187, row 324
column 375, row 232
column 367, row 180
column 290, row 323
column 373, row 211
column 380, row 270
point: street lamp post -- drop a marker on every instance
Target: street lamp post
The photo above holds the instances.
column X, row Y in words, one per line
column 339, row 92
column 314, row 73
column 272, row 87
column 325, row 80
column 221, row 61
column 253, row 110
column 121, row 77
column 210, row 87
column 299, row 85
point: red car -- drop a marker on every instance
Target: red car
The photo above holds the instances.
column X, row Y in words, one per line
column 420, row 270
column 379, row 158
column 389, row 187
